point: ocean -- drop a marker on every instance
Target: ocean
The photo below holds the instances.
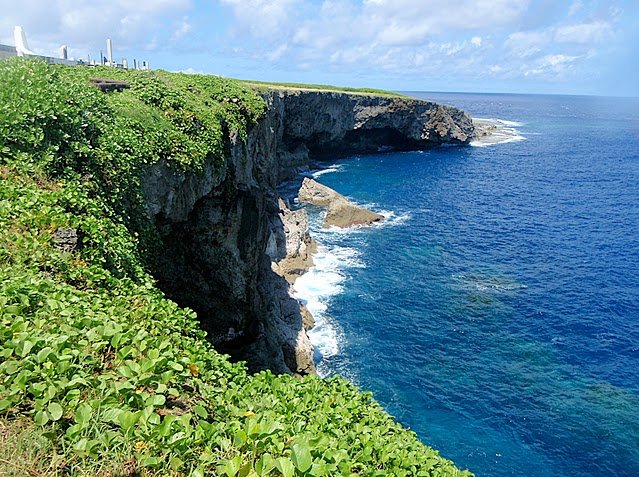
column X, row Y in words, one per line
column 496, row 311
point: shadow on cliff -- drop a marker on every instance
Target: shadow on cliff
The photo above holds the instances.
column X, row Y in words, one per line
column 215, row 263
column 360, row 141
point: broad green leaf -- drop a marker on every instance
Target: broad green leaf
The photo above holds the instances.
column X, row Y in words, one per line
column 230, row 467
column 55, row 411
column 301, row 457
column 153, row 419
column 285, row 466
column 43, row 354
column 82, row 414
column 176, row 366
column 111, row 415
column 23, row 348
column 150, row 461
column 240, row 438
column 175, row 463
column 164, row 428
column 128, row 419
column 245, row 470
column 264, row 464
column 155, row 400
column 41, row 418
column 13, row 309
column 80, row 446
column 198, row 472
column 11, row 367
column 200, row 411
column 177, row 437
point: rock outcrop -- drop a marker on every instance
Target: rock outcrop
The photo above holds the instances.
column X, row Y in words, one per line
column 229, row 244
column 328, row 124
column 291, row 247
column 484, row 127
column 340, row 212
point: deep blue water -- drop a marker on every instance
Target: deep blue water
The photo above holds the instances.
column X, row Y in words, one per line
column 497, row 312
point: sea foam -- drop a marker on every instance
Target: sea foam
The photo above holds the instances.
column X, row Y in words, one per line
column 327, row 170
column 316, row 288
column 505, row 131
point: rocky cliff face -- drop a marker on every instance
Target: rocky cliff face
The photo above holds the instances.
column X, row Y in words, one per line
column 322, row 124
column 223, row 231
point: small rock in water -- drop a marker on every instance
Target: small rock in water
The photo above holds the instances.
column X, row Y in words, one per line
column 340, row 211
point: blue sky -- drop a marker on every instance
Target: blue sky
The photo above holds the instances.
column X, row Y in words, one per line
column 516, row 46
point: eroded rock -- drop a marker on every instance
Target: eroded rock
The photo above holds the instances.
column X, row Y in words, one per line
column 340, row 212
column 292, row 249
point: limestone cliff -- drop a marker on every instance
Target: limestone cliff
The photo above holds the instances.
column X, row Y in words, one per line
column 322, row 124
column 222, row 229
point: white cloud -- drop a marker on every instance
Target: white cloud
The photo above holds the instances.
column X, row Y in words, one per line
column 266, row 19
column 277, row 53
column 182, row 28
column 437, row 16
column 575, row 7
column 450, row 49
column 85, row 25
column 381, row 22
column 410, row 22
column 527, row 44
column 370, row 32
column 551, row 66
column 191, row 71
column 408, row 37
column 585, row 33
column 421, row 37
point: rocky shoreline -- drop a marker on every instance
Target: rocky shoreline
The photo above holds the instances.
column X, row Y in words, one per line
column 232, row 247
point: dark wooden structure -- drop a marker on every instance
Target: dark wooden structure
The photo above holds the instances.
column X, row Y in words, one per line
column 108, row 86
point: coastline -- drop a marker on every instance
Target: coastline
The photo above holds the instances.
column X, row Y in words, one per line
column 323, row 272
column 493, row 322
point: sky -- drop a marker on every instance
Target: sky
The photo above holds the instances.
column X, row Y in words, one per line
column 509, row 46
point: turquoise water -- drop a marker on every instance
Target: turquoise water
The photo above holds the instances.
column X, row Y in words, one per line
column 496, row 312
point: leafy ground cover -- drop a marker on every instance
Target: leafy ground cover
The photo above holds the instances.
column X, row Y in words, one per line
column 100, row 374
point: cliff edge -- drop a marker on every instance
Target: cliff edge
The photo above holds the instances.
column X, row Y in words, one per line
column 222, row 230
column 323, row 124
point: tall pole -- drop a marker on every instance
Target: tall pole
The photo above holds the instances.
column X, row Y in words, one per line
column 109, row 51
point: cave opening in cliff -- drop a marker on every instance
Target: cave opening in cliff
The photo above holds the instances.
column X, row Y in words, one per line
column 364, row 141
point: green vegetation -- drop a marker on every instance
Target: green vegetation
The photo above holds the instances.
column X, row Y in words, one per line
column 266, row 86
column 100, row 374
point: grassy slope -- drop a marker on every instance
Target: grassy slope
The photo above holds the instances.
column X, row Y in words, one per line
column 99, row 373
column 266, row 86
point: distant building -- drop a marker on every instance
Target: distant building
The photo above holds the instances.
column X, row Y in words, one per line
column 21, row 48
column 20, row 39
